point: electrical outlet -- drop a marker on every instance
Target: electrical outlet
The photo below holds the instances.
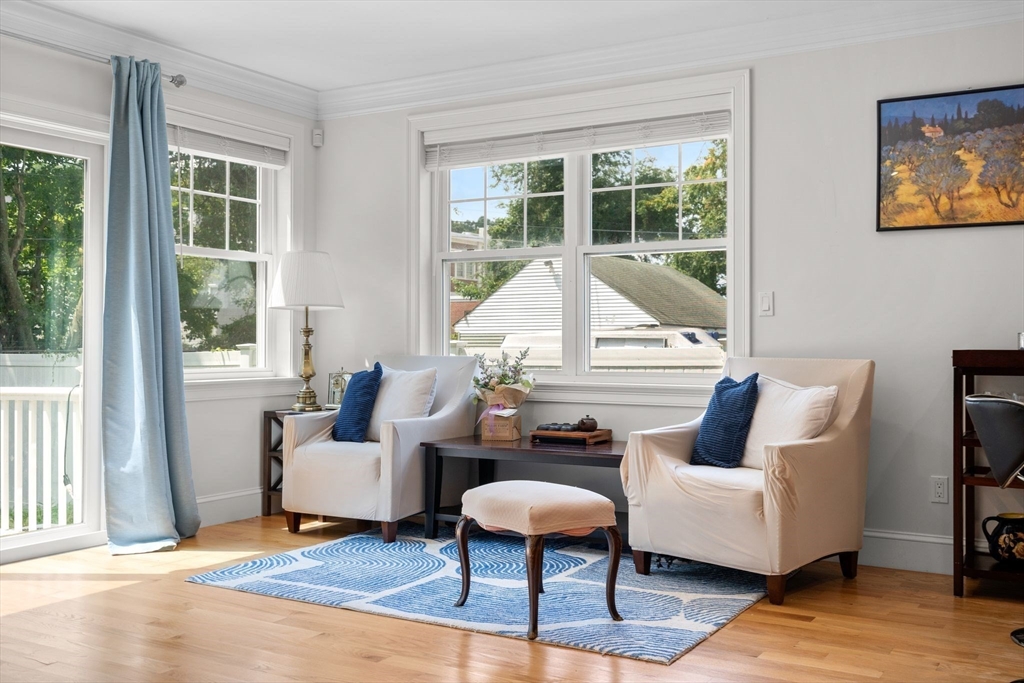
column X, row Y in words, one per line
column 939, row 490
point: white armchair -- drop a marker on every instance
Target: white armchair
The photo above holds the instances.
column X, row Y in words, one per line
column 378, row 481
column 806, row 504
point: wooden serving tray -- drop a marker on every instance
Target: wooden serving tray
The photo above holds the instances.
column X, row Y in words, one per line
column 579, row 438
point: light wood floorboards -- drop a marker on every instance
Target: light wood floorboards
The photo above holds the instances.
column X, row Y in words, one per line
column 86, row 616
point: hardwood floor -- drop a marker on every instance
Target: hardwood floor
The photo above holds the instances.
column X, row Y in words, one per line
column 87, row 616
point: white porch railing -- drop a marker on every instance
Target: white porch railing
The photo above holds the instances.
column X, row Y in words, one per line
column 40, row 439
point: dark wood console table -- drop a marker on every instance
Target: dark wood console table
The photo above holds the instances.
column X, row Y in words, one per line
column 967, row 475
column 608, row 454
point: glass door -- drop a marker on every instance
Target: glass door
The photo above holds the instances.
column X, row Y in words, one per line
column 50, row 297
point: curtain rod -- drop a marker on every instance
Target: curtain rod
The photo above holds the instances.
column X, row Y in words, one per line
column 177, row 80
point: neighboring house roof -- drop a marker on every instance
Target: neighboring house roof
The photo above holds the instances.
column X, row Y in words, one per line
column 664, row 293
column 623, row 294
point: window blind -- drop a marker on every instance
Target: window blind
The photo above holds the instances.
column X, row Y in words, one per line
column 608, row 136
column 218, row 146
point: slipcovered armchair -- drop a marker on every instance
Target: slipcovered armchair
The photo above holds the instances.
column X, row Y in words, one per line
column 806, row 503
column 377, row 481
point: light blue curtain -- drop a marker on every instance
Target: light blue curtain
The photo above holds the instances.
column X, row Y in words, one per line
column 150, row 497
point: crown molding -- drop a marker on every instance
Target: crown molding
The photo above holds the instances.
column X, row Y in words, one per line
column 33, row 21
column 848, row 25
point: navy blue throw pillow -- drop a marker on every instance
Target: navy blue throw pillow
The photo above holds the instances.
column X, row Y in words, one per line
column 723, row 431
column 357, row 405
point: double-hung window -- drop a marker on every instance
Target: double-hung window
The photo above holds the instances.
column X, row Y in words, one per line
column 223, row 231
column 610, row 251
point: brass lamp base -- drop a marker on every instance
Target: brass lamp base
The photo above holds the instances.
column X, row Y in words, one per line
column 305, row 400
column 306, row 404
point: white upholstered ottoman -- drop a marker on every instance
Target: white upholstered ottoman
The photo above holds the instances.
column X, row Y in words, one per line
column 534, row 509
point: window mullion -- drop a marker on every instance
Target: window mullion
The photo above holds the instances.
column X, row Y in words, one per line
column 486, row 226
column 526, row 207
column 679, row 193
column 715, row 244
column 632, row 196
column 572, row 231
column 439, row 185
column 191, row 199
column 227, row 205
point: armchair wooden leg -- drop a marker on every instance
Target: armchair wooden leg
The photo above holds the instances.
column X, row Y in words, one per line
column 294, row 520
column 848, row 562
column 389, row 530
column 642, row 561
column 776, row 588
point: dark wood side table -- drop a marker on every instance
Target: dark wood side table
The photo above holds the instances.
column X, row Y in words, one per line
column 608, row 454
column 270, row 452
column 967, row 561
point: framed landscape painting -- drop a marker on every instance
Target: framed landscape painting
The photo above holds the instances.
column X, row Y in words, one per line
column 951, row 160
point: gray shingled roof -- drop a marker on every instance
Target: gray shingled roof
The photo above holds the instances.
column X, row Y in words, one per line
column 664, row 293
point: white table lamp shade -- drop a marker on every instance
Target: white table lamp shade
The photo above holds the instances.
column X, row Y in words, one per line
column 306, row 278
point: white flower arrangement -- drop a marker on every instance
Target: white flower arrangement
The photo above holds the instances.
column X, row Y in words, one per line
column 502, row 382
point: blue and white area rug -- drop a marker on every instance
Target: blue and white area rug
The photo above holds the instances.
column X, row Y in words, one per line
column 665, row 614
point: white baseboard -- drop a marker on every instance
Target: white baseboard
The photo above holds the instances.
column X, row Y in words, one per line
column 229, row 506
column 930, row 553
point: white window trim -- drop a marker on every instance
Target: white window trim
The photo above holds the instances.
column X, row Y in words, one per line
column 279, row 211
column 649, row 100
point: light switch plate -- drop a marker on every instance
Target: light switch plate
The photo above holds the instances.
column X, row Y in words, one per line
column 766, row 304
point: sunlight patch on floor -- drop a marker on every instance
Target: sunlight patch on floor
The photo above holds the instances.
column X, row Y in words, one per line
column 49, row 580
column 19, row 596
column 99, row 561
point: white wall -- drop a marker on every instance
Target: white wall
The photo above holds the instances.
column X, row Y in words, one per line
column 842, row 290
column 224, row 422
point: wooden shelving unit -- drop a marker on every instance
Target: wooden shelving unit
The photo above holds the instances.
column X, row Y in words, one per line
column 270, row 453
column 968, row 365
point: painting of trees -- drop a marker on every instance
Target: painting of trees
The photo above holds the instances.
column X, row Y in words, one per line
column 964, row 167
column 942, row 173
column 1003, row 172
column 888, row 185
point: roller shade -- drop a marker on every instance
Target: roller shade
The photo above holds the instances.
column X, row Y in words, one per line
column 218, row 146
column 610, row 136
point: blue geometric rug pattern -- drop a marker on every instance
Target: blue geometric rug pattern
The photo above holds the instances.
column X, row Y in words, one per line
column 665, row 614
